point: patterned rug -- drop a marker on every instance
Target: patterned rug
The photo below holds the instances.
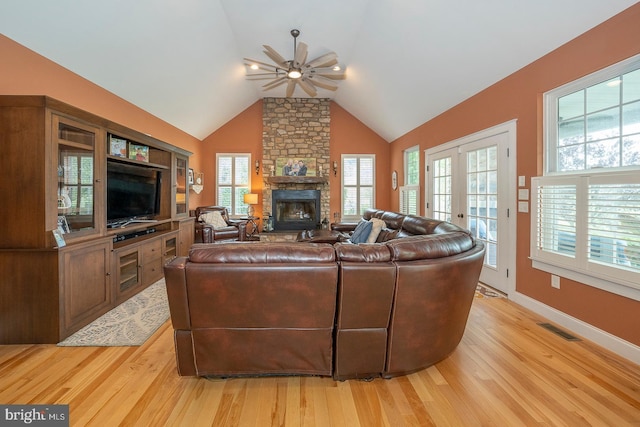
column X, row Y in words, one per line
column 483, row 291
column 129, row 324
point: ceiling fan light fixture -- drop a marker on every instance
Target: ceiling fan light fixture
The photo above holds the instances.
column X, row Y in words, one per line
column 294, row 73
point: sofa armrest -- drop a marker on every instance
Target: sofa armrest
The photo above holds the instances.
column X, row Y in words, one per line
column 242, row 227
column 344, row 227
column 176, row 283
column 203, row 232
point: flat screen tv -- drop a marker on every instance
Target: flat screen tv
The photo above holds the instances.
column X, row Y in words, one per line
column 133, row 192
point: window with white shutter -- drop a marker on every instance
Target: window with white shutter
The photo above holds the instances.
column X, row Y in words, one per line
column 410, row 192
column 233, row 181
column 585, row 222
column 358, row 185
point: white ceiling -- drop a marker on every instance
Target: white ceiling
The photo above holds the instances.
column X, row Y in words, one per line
column 407, row 61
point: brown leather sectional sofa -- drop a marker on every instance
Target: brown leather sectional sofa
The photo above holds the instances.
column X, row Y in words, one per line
column 343, row 310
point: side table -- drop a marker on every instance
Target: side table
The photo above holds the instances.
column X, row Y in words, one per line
column 253, row 233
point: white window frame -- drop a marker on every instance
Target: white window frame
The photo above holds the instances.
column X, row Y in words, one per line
column 410, row 190
column 551, row 111
column 358, row 186
column 238, row 208
column 577, row 263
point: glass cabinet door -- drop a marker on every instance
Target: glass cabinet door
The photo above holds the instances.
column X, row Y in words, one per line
column 181, row 186
column 76, row 145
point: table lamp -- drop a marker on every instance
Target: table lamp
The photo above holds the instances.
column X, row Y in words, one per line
column 250, row 199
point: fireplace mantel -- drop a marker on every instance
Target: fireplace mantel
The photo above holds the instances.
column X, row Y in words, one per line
column 296, row 179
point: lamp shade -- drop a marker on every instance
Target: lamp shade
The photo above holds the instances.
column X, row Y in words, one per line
column 251, row 198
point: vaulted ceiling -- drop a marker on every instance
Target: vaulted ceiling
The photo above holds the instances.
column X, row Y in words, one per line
column 407, row 61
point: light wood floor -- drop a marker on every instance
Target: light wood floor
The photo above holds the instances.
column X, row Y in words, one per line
column 507, row 371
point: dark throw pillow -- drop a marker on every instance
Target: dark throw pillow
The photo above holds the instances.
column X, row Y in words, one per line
column 361, row 233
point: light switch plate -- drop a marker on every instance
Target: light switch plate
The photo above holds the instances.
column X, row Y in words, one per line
column 523, row 207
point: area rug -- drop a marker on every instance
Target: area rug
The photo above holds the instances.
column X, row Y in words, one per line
column 129, row 324
column 483, row 291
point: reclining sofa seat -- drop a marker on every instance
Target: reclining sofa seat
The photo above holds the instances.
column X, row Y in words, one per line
column 257, row 308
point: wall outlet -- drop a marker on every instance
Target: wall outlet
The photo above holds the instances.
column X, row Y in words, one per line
column 555, row 281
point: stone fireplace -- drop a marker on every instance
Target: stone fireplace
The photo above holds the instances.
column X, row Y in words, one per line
column 296, row 209
column 295, row 128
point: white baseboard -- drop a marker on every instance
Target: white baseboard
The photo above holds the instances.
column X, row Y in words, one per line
column 602, row 338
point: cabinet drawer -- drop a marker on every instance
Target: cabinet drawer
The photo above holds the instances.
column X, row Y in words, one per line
column 152, row 271
column 151, row 250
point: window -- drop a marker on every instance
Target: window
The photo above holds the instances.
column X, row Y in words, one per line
column 78, row 181
column 586, row 209
column 358, row 185
column 410, row 192
column 233, row 181
column 594, row 123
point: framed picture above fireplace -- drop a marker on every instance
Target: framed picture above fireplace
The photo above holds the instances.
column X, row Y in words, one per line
column 296, row 166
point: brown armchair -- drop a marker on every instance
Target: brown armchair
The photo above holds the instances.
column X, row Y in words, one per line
column 206, row 233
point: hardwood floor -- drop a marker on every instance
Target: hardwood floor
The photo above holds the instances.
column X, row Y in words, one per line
column 507, row 371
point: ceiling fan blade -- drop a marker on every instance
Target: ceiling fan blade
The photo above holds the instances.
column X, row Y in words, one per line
column 301, row 55
column 330, row 73
column 263, row 76
column 291, row 87
column 277, row 82
column 263, row 65
column 322, row 82
column 326, row 60
column 275, row 56
column 308, row 87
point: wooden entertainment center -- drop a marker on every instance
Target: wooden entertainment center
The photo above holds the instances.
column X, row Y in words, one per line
column 68, row 253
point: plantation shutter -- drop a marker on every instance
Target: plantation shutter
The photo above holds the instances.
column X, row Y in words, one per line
column 409, row 199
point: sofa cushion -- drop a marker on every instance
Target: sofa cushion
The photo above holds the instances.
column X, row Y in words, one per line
column 361, row 232
column 377, row 226
column 362, row 253
column 262, row 252
column 430, row 246
column 386, row 234
column 215, row 219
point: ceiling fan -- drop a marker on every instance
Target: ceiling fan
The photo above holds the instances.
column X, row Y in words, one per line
column 317, row 73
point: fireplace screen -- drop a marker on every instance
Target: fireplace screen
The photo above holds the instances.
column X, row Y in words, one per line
column 296, row 209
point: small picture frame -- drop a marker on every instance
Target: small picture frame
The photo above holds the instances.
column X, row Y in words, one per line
column 139, row 152
column 190, row 177
column 63, row 225
column 118, row 147
column 60, row 243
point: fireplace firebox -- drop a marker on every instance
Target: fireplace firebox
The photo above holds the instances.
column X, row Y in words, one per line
column 295, row 209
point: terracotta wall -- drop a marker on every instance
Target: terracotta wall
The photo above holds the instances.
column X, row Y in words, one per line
column 519, row 96
column 243, row 134
column 24, row 72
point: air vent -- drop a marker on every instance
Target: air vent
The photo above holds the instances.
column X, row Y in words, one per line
column 564, row 334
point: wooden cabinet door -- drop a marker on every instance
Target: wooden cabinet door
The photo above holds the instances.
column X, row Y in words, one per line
column 128, row 273
column 186, row 236
column 85, row 284
column 170, row 246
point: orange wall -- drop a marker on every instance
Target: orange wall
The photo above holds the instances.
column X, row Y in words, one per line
column 243, row 134
column 351, row 136
column 24, row 72
column 519, row 96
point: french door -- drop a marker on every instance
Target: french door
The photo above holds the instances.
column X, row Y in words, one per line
column 468, row 184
